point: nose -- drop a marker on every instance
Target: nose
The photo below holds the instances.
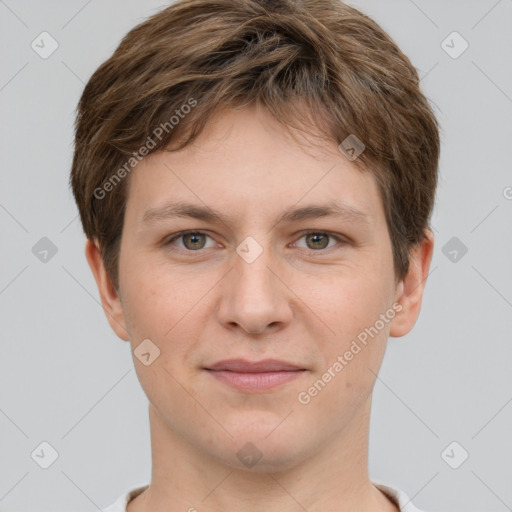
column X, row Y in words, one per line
column 254, row 297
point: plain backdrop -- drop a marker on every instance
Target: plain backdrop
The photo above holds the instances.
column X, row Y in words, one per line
column 444, row 391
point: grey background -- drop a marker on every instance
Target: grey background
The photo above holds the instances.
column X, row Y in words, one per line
column 66, row 379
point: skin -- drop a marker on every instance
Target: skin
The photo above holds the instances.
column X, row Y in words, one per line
column 302, row 300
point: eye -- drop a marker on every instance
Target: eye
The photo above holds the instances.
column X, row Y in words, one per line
column 192, row 240
column 318, row 240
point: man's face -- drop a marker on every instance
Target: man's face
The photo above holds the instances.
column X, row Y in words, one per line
column 252, row 287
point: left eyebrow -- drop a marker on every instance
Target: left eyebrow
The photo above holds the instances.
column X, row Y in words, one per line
column 342, row 211
column 181, row 209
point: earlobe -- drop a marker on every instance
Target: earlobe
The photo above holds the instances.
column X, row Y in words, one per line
column 109, row 296
column 410, row 290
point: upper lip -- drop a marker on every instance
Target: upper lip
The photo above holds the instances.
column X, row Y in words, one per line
column 244, row 366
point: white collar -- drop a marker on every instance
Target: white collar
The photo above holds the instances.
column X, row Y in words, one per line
column 399, row 497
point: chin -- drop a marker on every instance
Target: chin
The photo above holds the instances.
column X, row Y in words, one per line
column 262, row 457
column 262, row 446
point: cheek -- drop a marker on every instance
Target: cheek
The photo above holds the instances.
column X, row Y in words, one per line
column 350, row 304
column 165, row 307
column 157, row 301
column 351, row 356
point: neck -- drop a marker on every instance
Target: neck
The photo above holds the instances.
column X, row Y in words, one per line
column 333, row 478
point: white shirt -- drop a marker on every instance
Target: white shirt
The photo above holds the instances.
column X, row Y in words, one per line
column 397, row 496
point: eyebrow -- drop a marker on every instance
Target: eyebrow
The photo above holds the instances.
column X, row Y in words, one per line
column 341, row 211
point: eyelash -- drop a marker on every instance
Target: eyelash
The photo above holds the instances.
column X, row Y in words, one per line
column 181, row 234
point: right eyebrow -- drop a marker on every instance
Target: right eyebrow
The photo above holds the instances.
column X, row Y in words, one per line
column 342, row 211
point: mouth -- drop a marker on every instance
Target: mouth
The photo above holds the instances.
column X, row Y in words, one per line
column 254, row 376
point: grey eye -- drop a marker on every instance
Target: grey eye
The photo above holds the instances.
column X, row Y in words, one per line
column 317, row 240
column 194, row 241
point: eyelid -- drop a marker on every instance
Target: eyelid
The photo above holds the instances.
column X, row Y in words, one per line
column 338, row 237
column 175, row 236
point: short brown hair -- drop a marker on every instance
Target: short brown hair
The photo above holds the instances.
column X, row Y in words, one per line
column 333, row 59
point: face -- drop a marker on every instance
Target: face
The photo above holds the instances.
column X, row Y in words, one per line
column 246, row 248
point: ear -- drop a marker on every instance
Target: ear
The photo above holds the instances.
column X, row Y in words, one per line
column 409, row 291
column 109, row 297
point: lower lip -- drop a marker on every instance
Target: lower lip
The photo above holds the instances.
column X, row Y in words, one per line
column 255, row 381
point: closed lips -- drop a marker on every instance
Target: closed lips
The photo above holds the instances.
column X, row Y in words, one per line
column 245, row 366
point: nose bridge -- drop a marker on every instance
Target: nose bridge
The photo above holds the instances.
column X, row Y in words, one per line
column 252, row 272
column 253, row 297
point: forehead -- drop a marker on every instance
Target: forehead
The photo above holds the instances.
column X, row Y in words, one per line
column 245, row 163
